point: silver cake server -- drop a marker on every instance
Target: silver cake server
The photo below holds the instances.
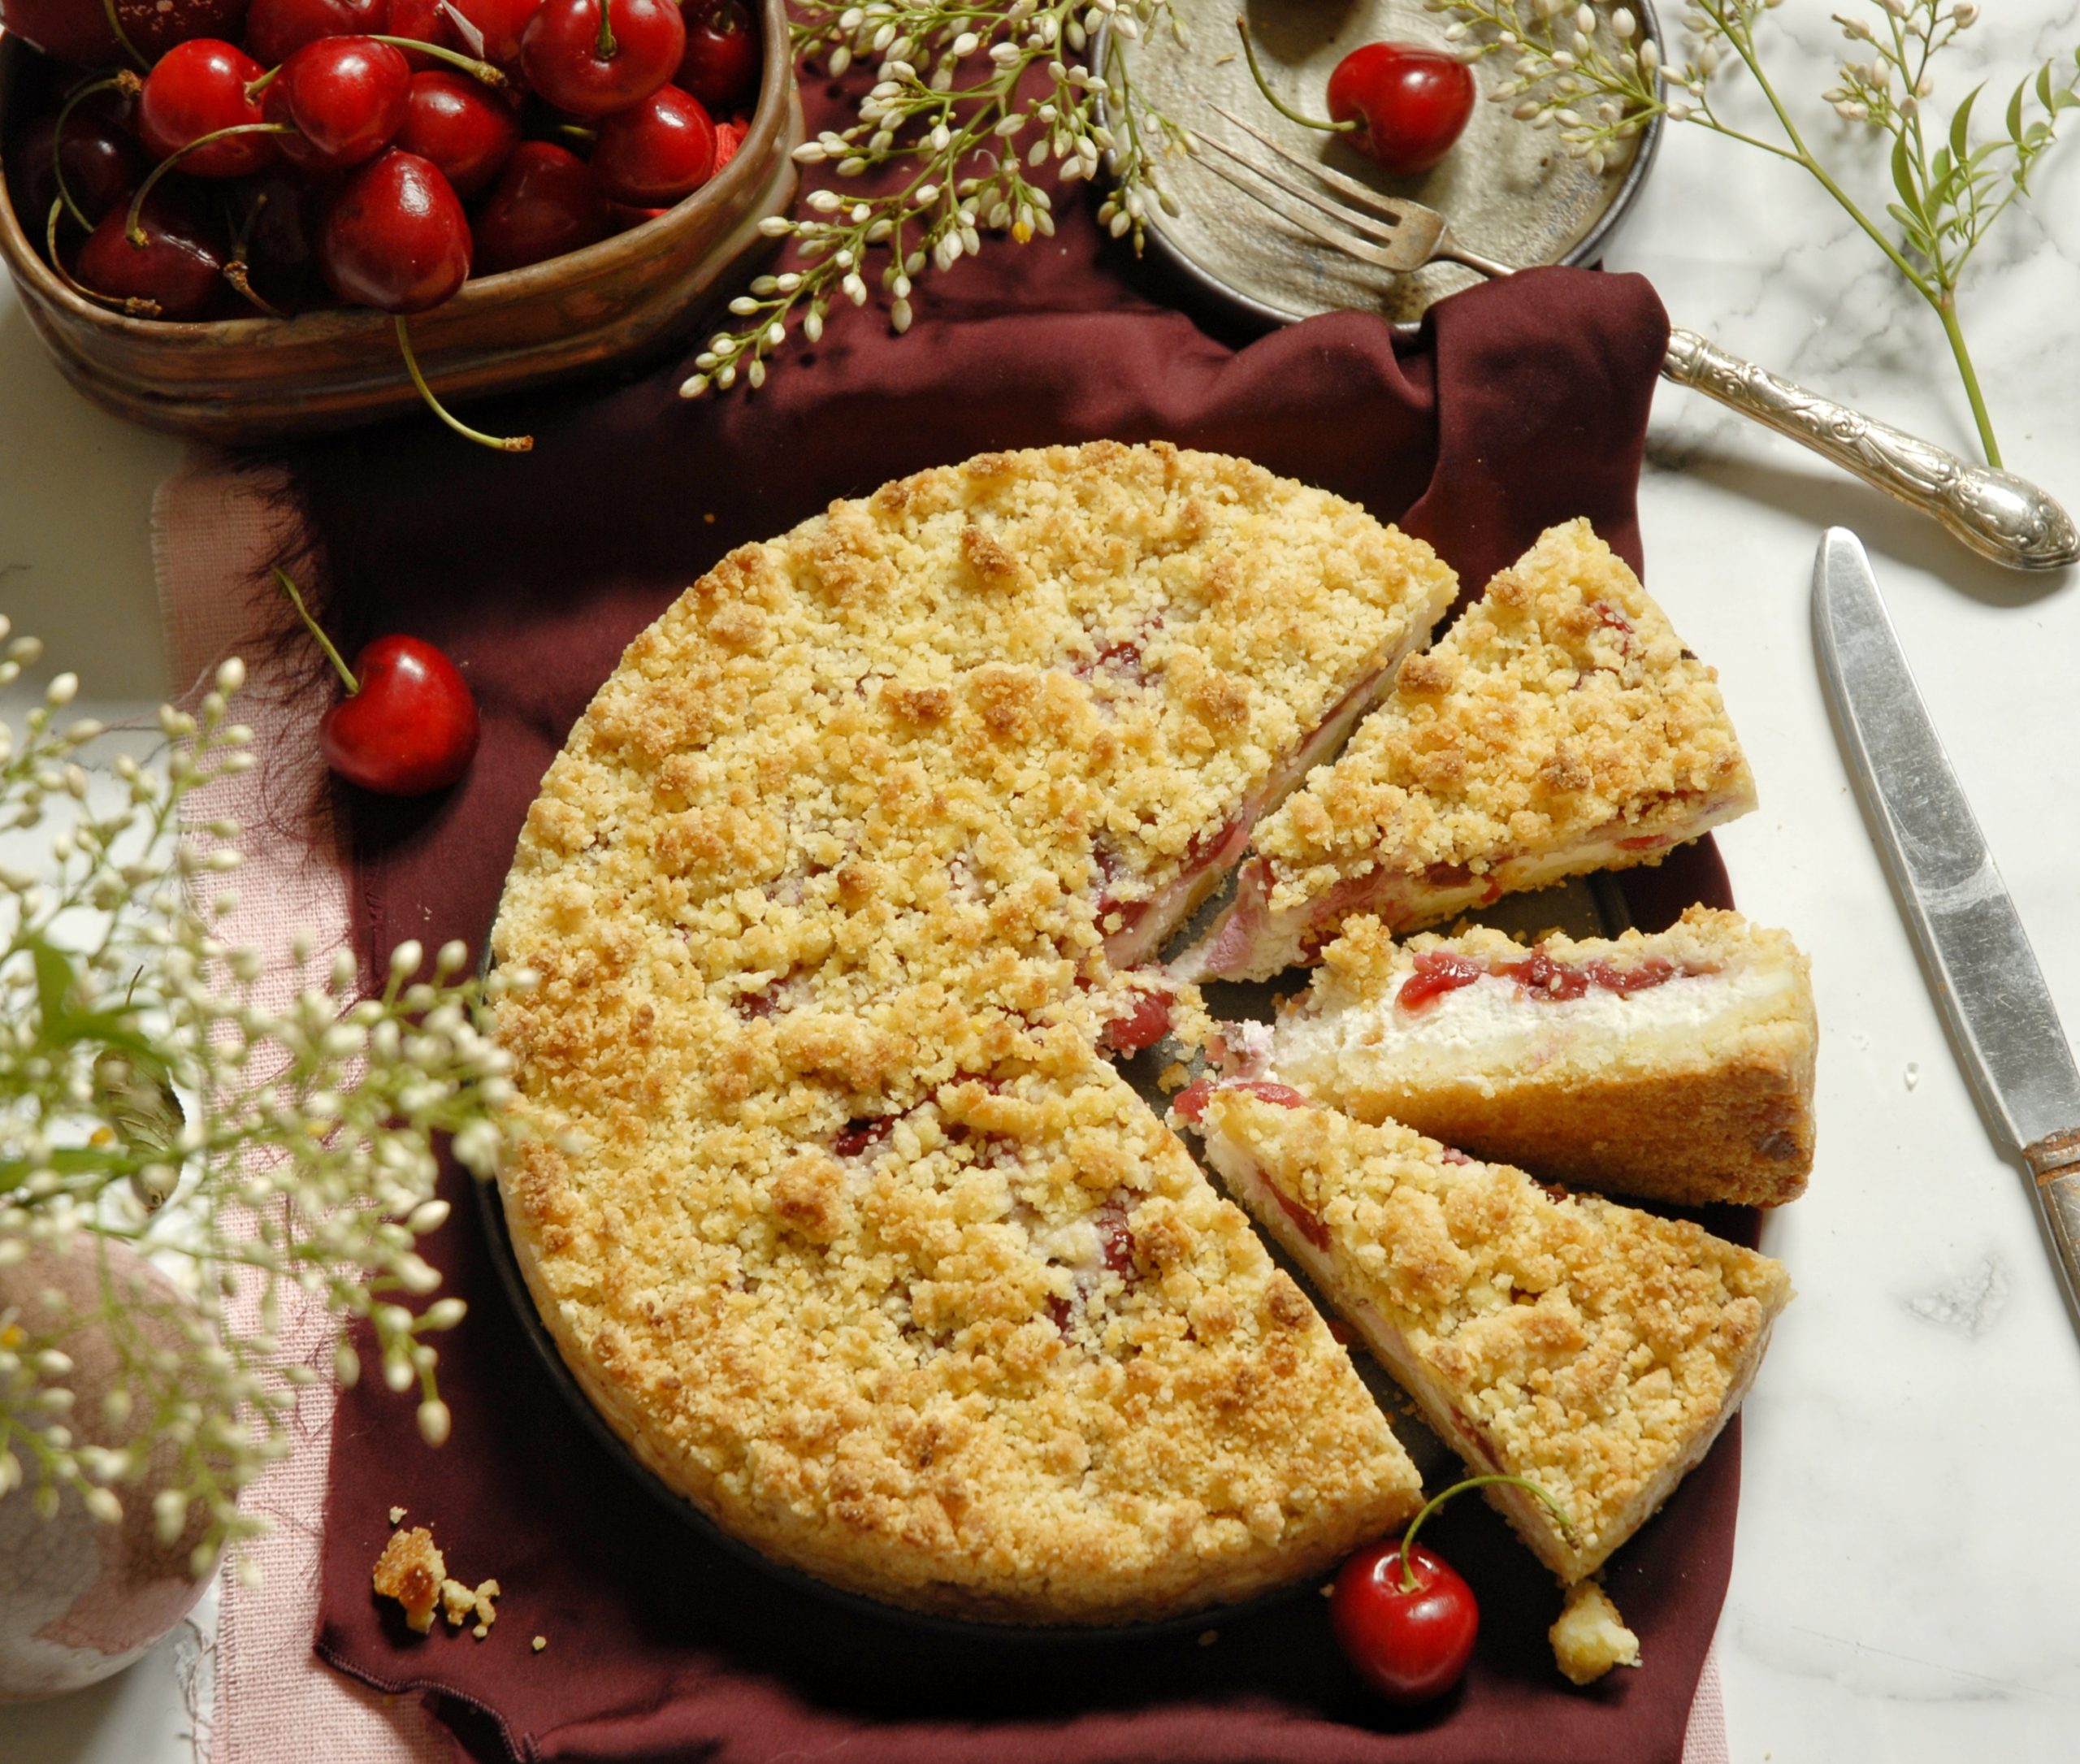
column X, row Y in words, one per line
column 1986, row 975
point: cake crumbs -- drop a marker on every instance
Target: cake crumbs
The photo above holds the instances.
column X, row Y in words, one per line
column 539, row 1643
column 396, row 1516
column 1589, row 1637
column 1172, row 1077
column 413, row 1571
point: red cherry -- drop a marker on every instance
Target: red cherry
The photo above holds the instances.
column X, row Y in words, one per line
column 454, row 121
column 103, row 164
column 180, row 265
column 1409, row 1644
column 622, row 218
column 277, row 219
column 501, row 23
column 395, row 237
column 546, row 202
column 276, row 29
column 721, row 61
column 411, row 727
column 1408, row 103
column 423, row 21
column 658, row 150
column 345, row 97
column 570, row 62
column 197, row 88
column 78, row 32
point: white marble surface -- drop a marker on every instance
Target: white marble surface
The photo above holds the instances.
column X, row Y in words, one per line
column 1907, row 1580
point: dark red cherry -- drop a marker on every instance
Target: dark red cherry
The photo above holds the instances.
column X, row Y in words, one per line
column 546, row 202
column 197, row 88
column 408, row 727
column 720, row 63
column 345, row 97
column 1407, row 102
column 276, row 29
column 78, row 31
column 103, row 165
column 395, row 237
column 462, row 127
column 658, row 150
column 501, row 23
column 276, row 221
column 423, row 21
column 179, row 266
column 622, row 218
column 569, row 63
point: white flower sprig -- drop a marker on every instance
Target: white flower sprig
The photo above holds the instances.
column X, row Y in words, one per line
column 967, row 100
column 150, row 1099
column 1601, row 86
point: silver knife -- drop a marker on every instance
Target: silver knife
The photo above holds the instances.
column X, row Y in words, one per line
column 2008, row 1035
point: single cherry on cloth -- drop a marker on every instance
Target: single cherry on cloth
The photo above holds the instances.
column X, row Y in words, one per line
column 1401, row 104
column 1403, row 1616
column 721, row 59
column 276, row 29
column 196, row 89
column 657, row 151
column 408, row 725
column 467, row 132
column 179, row 268
column 546, row 202
column 594, row 57
column 345, row 97
column 395, row 237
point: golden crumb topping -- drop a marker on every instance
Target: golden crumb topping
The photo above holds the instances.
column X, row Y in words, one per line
column 1561, row 706
column 1589, row 1637
column 1590, row 1347
column 838, row 1214
column 410, row 1570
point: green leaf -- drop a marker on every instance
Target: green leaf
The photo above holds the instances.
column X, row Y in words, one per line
column 1903, row 177
column 2015, row 114
column 54, row 980
column 1961, row 124
column 2044, row 88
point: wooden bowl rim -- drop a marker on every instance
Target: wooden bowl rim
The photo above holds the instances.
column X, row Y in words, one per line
column 507, row 288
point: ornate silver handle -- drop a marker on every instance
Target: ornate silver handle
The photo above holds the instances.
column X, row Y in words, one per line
column 1998, row 515
column 2053, row 1161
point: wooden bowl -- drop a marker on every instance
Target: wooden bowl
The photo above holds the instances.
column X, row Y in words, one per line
column 245, row 380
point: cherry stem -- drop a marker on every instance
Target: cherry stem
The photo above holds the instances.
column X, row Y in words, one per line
column 1437, row 1500
column 316, row 629
column 1277, row 103
column 122, row 36
column 470, row 64
column 578, row 131
column 239, row 274
column 505, row 444
column 136, row 305
column 125, row 82
column 134, row 232
column 607, row 48
column 255, row 87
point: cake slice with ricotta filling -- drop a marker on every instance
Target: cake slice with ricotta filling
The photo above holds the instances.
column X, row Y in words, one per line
column 1678, row 1066
column 1593, row 1349
column 1559, row 727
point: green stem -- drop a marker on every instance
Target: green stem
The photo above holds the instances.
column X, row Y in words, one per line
column 507, row 444
column 136, row 233
column 479, row 70
column 122, row 36
column 124, row 82
column 607, row 48
column 134, row 306
column 317, row 630
column 1437, row 1500
column 1277, row 103
column 1946, row 309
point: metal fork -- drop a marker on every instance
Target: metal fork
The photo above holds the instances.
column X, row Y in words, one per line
column 1996, row 513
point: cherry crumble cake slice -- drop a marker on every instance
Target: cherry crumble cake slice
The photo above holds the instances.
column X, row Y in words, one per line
column 1593, row 1348
column 1558, row 727
column 838, row 1215
column 1678, row 1066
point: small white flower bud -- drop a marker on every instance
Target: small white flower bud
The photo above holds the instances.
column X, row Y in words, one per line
column 435, row 1422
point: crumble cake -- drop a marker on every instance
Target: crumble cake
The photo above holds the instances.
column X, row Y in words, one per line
column 838, row 1215
column 1590, row 1347
column 1558, row 727
column 1677, row 1066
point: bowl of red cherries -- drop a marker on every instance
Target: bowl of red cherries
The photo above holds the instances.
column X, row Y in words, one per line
column 246, row 219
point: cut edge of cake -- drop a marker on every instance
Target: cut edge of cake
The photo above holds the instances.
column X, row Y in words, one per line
column 1328, row 1188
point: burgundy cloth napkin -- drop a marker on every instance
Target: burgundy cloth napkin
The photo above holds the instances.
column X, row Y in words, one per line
column 1522, row 404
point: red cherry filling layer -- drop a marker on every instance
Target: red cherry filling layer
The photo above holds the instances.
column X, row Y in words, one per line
column 1539, row 975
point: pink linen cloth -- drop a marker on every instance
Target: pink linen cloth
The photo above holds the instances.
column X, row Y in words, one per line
column 217, row 525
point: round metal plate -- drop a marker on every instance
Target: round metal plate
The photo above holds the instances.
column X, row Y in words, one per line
column 1510, row 192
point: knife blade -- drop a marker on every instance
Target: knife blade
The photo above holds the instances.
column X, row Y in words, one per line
column 2002, row 1020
